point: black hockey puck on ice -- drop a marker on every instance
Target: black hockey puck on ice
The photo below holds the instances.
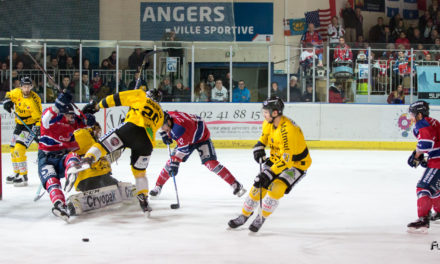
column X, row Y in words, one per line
column 175, row 206
column 85, row 239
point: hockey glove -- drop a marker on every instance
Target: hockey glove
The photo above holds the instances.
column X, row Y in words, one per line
column 413, row 162
column 259, row 152
column 62, row 102
column 90, row 120
column 36, row 130
column 173, row 168
column 264, row 179
column 8, row 105
column 90, row 108
column 165, row 138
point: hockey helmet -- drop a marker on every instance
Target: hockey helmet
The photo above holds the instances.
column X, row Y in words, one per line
column 167, row 117
column 26, row 80
column 274, row 103
column 155, row 95
column 419, row 107
column 69, row 109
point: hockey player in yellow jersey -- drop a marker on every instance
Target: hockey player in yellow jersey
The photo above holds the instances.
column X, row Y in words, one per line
column 287, row 165
column 143, row 119
column 28, row 108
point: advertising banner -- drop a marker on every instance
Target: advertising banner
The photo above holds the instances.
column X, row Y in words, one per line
column 428, row 83
column 207, row 21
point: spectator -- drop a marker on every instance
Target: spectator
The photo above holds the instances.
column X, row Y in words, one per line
column 166, row 89
column 241, row 93
column 136, row 59
column 211, row 81
column 343, row 52
column 307, row 57
column 276, row 91
column 386, row 37
column 423, row 21
column 112, row 61
column 85, row 86
column 313, row 38
column 402, row 40
column 336, row 94
column 399, row 28
column 181, row 93
column 219, row 93
column 66, row 85
column 420, row 52
column 76, row 59
column 61, row 58
column 394, row 22
column 433, row 8
column 416, row 37
column 105, row 65
column 435, row 49
column 132, row 84
column 53, row 64
column 359, row 23
column 350, row 22
column 434, row 35
column 308, row 95
column 295, row 92
column 227, row 80
column 86, row 67
column 427, row 30
column 335, row 31
column 69, row 63
column 397, row 96
column 121, row 85
column 202, row 92
column 376, row 32
column 96, row 85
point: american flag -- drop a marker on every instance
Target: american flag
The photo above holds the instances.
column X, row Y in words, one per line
column 321, row 19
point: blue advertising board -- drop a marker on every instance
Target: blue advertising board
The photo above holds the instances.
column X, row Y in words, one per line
column 206, row 21
column 428, row 84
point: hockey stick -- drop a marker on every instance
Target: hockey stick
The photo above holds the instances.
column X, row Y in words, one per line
column 140, row 68
column 38, row 194
column 177, row 205
column 51, row 79
column 260, row 209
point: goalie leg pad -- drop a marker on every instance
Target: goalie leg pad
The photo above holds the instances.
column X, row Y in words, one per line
column 94, row 199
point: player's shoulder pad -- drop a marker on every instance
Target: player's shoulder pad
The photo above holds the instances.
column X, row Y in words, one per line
column 422, row 124
column 177, row 131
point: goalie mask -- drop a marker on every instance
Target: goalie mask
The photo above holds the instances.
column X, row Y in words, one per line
column 155, row 95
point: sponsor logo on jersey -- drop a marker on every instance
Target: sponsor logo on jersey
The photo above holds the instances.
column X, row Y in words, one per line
column 114, row 141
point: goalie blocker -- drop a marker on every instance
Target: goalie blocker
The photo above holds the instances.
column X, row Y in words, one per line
column 99, row 198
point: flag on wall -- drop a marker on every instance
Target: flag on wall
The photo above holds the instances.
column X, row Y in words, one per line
column 294, row 26
column 408, row 9
column 321, row 19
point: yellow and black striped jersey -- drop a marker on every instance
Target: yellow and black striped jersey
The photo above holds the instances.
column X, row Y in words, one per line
column 143, row 111
column 287, row 145
column 28, row 109
column 85, row 140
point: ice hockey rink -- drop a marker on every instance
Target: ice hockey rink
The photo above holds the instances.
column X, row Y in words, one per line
column 352, row 207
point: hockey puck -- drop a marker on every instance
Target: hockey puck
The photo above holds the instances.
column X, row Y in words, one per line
column 85, row 239
column 175, row 206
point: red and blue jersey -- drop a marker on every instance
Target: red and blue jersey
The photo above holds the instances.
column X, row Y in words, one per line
column 57, row 133
column 427, row 132
column 187, row 130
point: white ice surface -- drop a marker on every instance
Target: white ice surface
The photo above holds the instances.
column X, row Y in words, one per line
column 352, row 207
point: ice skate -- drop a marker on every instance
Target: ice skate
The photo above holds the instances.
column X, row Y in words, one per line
column 60, row 210
column 143, row 202
column 10, row 179
column 74, row 207
column 239, row 221
column 421, row 225
column 156, row 190
column 257, row 223
column 435, row 217
column 238, row 189
column 21, row 181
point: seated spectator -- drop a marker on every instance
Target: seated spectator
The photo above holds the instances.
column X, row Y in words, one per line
column 69, row 63
column 376, row 32
column 227, row 80
column 202, row 92
column 434, row 35
column 211, row 81
column 336, row 94
column 86, row 67
column 394, row 23
column 402, row 40
column 105, row 65
column 61, row 58
column 397, row 96
column 241, row 93
column 181, row 93
column 308, row 95
column 423, row 20
column 85, row 87
column 219, row 93
column 427, row 30
column 307, row 58
column 132, row 84
column 386, row 37
column 96, row 84
column 420, row 52
column 166, row 89
column 295, row 92
column 112, row 61
column 416, row 37
column 121, row 85
column 66, row 85
column 342, row 52
column 276, row 91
